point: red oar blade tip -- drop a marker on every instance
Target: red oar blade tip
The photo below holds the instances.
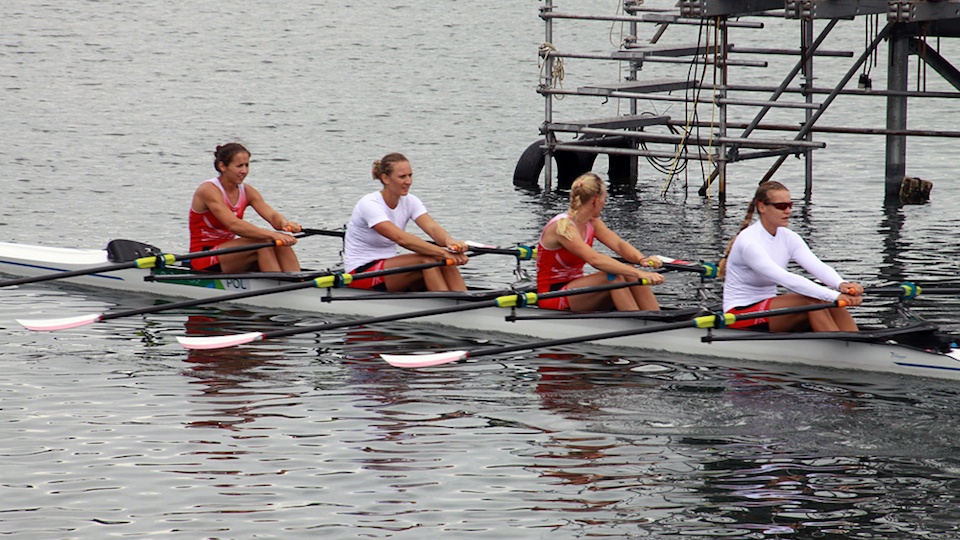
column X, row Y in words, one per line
column 49, row 325
column 423, row 360
column 218, row 342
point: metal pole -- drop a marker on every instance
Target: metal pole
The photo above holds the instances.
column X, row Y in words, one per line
column 806, row 28
column 896, row 116
column 634, row 162
column 724, row 75
column 548, row 137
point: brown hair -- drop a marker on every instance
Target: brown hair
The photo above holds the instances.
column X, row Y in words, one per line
column 584, row 189
column 760, row 196
column 385, row 164
column 226, row 152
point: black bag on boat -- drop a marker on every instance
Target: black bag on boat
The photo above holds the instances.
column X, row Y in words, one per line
column 119, row 251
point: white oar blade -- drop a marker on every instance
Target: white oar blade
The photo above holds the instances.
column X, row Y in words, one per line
column 49, row 325
column 423, row 360
column 473, row 244
column 218, row 342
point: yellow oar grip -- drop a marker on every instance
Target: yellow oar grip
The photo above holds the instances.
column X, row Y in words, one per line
column 151, row 262
column 710, row 321
column 513, row 300
column 526, row 252
column 333, row 280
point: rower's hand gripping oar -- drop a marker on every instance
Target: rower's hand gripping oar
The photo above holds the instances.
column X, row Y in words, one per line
column 506, row 301
column 704, row 321
column 153, row 261
column 322, row 282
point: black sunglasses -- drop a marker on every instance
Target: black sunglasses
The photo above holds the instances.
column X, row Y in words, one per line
column 780, row 205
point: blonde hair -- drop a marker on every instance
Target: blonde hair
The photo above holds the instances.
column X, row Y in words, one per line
column 385, row 164
column 585, row 188
column 760, row 196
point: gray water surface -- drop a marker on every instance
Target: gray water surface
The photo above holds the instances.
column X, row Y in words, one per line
column 111, row 111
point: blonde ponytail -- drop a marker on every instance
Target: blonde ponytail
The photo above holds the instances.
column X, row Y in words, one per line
column 585, row 188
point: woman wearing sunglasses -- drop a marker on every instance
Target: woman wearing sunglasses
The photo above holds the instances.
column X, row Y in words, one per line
column 756, row 263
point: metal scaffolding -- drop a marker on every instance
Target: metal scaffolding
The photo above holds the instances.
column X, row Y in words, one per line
column 905, row 25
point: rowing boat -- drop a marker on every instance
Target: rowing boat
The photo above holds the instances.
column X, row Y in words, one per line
column 915, row 349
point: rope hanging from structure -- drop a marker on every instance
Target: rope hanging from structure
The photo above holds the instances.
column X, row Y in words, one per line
column 677, row 165
column 555, row 77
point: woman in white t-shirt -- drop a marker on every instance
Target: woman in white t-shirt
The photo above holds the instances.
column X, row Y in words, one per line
column 377, row 226
column 756, row 263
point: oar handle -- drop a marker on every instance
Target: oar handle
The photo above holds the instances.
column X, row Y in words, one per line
column 338, row 233
column 523, row 253
column 708, row 270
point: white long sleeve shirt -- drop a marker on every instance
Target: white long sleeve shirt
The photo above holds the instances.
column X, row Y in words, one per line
column 757, row 265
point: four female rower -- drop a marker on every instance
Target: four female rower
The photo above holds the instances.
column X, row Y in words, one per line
column 566, row 244
column 378, row 225
column 216, row 220
column 756, row 262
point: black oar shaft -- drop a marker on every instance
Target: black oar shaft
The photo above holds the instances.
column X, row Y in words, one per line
column 320, row 282
column 578, row 339
column 705, row 321
column 496, row 302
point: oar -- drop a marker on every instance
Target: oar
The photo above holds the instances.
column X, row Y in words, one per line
column 520, row 252
column 339, row 233
column 908, row 290
column 709, row 270
column 704, row 321
column 510, row 300
column 149, row 262
column 322, row 282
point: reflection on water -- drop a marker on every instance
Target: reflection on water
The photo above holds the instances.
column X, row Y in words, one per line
column 314, row 433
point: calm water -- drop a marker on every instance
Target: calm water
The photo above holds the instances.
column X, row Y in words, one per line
column 110, row 113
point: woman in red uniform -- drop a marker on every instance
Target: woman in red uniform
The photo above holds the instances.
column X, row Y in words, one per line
column 216, row 220
column 566, row 244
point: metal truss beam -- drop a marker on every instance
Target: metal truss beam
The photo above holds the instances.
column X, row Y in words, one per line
column 905, row 11
column 834, row 9
column 733, row 8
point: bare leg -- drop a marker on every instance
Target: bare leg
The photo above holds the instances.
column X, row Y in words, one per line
column 416, row 280
column 452, row 278
column 643, row 296
column 825, row 320
column 238, row 262
column 286, row 258
column 620, row 299
column 267, row 260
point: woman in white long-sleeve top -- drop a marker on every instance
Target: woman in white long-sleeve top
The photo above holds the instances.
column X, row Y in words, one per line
column 756, row 264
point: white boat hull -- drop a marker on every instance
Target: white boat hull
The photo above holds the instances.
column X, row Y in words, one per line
column 25, row 260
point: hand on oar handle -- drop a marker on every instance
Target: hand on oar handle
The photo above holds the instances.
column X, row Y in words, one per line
column 652, row 278
column 850, row 288
column 651, row 261
column 849, row 300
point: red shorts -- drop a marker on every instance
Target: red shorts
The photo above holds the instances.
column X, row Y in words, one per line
column 559, row 303
column 209, row 264
column 374, row 283
column 762, row 305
